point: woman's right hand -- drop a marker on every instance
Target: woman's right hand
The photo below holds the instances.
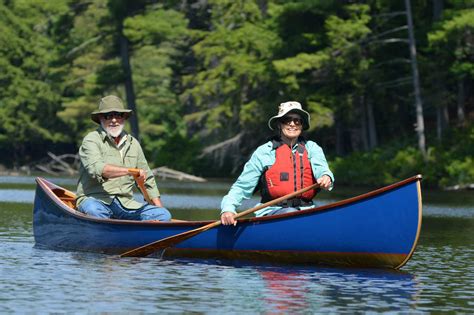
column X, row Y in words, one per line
column 227, row 218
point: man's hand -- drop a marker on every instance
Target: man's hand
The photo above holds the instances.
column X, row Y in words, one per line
column 142, row 176
column 324, row 182
column 227, row 218
column 138, row 173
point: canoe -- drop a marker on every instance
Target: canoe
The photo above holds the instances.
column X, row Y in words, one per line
column 379, row 229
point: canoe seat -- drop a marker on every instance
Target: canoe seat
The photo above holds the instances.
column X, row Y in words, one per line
column 67, row 197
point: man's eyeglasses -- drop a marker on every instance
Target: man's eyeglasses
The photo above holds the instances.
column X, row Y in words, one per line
column 288, row 120
column 111, row 115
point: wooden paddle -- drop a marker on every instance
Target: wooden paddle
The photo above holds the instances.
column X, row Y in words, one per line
column 171, row 241
column 141, row 184
column 136, row 173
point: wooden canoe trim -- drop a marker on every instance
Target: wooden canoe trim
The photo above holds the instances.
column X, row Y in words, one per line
column 420, row 216
column 67, row 197
column 360, row 260
column 346, row 201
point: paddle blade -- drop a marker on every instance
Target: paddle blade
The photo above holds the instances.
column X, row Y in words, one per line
column 165, row 243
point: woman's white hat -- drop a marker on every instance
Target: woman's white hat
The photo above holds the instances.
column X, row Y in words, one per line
column 286, row 108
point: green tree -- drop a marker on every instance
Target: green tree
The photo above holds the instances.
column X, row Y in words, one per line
column 30, row 95
column 452, row 44
column 84, row 57
column 331, row 77
column 233, row 70
column 159, row 38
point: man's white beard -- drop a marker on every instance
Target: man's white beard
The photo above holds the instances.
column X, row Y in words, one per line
column 113, row 131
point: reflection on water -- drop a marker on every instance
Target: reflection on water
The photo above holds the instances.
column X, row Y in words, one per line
column 336, row 290
column 451, row 211
column 447, row 278
column 58, row 281
column 439, row 277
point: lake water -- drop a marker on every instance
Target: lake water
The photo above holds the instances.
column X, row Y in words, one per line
column 438, row 278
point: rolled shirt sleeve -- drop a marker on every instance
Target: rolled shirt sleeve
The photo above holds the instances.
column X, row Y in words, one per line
column 91, row 156
column 245, row 184
column 318, row 161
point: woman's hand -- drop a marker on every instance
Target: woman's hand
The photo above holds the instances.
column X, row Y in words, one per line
column 324, row 182
column 227, row 218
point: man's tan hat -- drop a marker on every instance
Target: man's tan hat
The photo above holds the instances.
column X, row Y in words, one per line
column 289, row 107
column 110, row 104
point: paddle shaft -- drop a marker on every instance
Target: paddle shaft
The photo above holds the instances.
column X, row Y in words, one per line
column 136, row 173
column 178, row 238
column 275, row 201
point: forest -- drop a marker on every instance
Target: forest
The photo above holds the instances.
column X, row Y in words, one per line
column 388, row 83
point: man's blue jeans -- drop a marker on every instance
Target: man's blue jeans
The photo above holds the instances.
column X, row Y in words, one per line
column 116, row 210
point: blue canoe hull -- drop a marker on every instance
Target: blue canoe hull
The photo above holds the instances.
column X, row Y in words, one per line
column 378, row 229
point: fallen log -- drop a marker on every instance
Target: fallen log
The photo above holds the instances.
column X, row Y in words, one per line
column 460, row 187
column 166, row 172
column 66, row 164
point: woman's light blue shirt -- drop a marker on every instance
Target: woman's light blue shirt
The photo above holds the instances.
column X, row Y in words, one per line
column 264, row 156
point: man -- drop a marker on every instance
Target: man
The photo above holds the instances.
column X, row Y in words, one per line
column 105, row 186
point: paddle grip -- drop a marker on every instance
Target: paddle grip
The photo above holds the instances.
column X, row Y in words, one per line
column 135, row 172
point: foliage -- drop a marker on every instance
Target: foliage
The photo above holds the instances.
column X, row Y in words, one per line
column 457, row 158
column 158, row 37
column 461, row 172
column 448, row 165
column 232, row 68
column 453, row 36
column 28, row 100
column 206, row 71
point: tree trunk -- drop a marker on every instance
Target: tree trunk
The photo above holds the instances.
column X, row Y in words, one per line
column 130, row 93
column 263, row 6
column 372, row 130
column 442, row 120
column 442, row 117
column 420, row 125
column 461, row 97
column 339, row 137
column 438, row 7
column 364, row 129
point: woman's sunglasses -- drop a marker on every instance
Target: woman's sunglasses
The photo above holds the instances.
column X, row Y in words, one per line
column 288, row 120
column 108, row 116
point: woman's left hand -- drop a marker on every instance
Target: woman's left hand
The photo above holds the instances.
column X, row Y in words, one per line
column 324, row 182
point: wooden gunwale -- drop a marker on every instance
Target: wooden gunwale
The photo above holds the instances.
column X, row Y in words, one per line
column 48, row 189
column 418, row 230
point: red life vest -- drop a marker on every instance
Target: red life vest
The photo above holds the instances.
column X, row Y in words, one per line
column 290, row 172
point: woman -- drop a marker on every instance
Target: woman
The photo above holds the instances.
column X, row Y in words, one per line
column 281, row 166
